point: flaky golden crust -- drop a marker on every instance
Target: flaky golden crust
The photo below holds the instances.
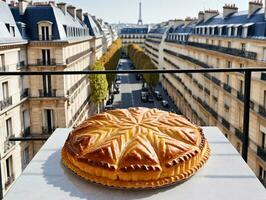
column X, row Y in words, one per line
column 136, row 148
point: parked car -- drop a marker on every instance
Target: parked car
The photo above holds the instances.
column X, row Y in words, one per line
column 109, row 107
column 150, row 98
column 118, row 80
column 138, row 77
column 144, row 97
column 165, row 104
column 158, row 95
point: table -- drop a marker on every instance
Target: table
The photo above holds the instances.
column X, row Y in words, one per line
column 224, row 177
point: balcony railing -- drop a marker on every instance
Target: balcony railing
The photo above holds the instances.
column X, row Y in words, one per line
column 9, row 181
column 78, row 56
column 26, row 132
column 226, row 123
column 228, row 88
column 51, row 62
column 240, row 96
column 227, row 50
column 261, row 152
column 262, row 111
column 24, row 93
column 8, row 144
column 6, row 103
column 21, row 65
column 216, row 81
column 4, row 68
column 239, row 134
column 48, row 130
column 49, row 93
column 248, row 73
column 47, row 38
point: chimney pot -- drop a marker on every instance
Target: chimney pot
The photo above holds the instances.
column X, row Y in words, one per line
column 80, row 14
column 254, row 5
column 62, row 6
column 72, row 11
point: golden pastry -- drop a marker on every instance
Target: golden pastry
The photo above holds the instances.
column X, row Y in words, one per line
column 136, row 148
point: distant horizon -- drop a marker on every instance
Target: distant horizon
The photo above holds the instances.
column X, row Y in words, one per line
column 153, row 11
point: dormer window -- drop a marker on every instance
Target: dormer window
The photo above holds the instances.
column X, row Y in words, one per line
column 45, row 30
column 11, row 29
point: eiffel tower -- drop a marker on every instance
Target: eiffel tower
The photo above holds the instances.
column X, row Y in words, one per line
column 140, row 15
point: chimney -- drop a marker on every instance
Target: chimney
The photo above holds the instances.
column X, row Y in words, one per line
column 201, row 16
column 23, row 4
column 254, row 6
column 210, row 14
column 188, row 20
column 62, row 6
column 80, row 14
column 229, row 9
column 72, row 11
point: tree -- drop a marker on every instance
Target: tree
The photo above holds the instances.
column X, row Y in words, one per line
column 99, row 85
column 151, row 79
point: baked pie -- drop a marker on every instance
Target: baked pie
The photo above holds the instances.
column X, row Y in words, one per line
column 136, row 148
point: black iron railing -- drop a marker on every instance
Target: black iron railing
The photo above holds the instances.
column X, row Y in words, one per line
column 48, row 93
column 5, row 103
column 247, row 71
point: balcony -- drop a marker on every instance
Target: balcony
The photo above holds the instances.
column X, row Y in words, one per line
column 24, row 93
column 48, row 38
column 239, row 134
column 8, row 145
column 226, row 50
column 225, row 123
column 5, row 103
column 225, row 182
column 47, row 130
column 78, row 56
column 9, row 181
column 21, row 65
column 49, row 94
column 240, row 96
column 41, row 62
column 261, row 152
column 216, row 81
column 227, row 88
column 262, row 111
column 26, row 132
column 4, row 68
column 207, row 91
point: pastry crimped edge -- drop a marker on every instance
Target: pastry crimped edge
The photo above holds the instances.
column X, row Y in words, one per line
column 150, row 184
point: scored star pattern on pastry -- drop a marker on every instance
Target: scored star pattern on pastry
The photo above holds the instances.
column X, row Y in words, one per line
column 122, row 139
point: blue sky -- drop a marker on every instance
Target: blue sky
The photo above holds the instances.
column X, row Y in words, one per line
column 154, row 11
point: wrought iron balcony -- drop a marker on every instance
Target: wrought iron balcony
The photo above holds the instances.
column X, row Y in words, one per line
column 261, row 152
column 48, row 130
column 47, row 38
column 26, row 132
column 4, row 68
column 207, row 91
column 6, row 103
column 226, row 123
column 24, row 93
column 49, row 93
column 21, row 64
column 262, row 111
column 226, row 50
column 51, row 62
column 8, row 144
column 239, row 134
column 240, row 96
column 216, row 81
column 9, row 181
column 228, row 88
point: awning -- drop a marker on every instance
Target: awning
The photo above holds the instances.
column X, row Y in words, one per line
column 248, row 24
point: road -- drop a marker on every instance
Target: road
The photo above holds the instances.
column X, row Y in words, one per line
column 130, row 95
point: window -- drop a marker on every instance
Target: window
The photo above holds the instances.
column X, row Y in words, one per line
column 264, row 54
column 9, row 168
column 242, row 65
column 46, row 58
column 229, row 44
column 2, row 62
column 243, row 46
column 227, row 79
column 219, row 43
column 47, row 85
column 264, row 99
column 5, row 90
column 229, row 64
column 262, row 175
column 26, row 157
column 9, row 127
column 48, row 120
column 263, row 141
column 241, row 86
